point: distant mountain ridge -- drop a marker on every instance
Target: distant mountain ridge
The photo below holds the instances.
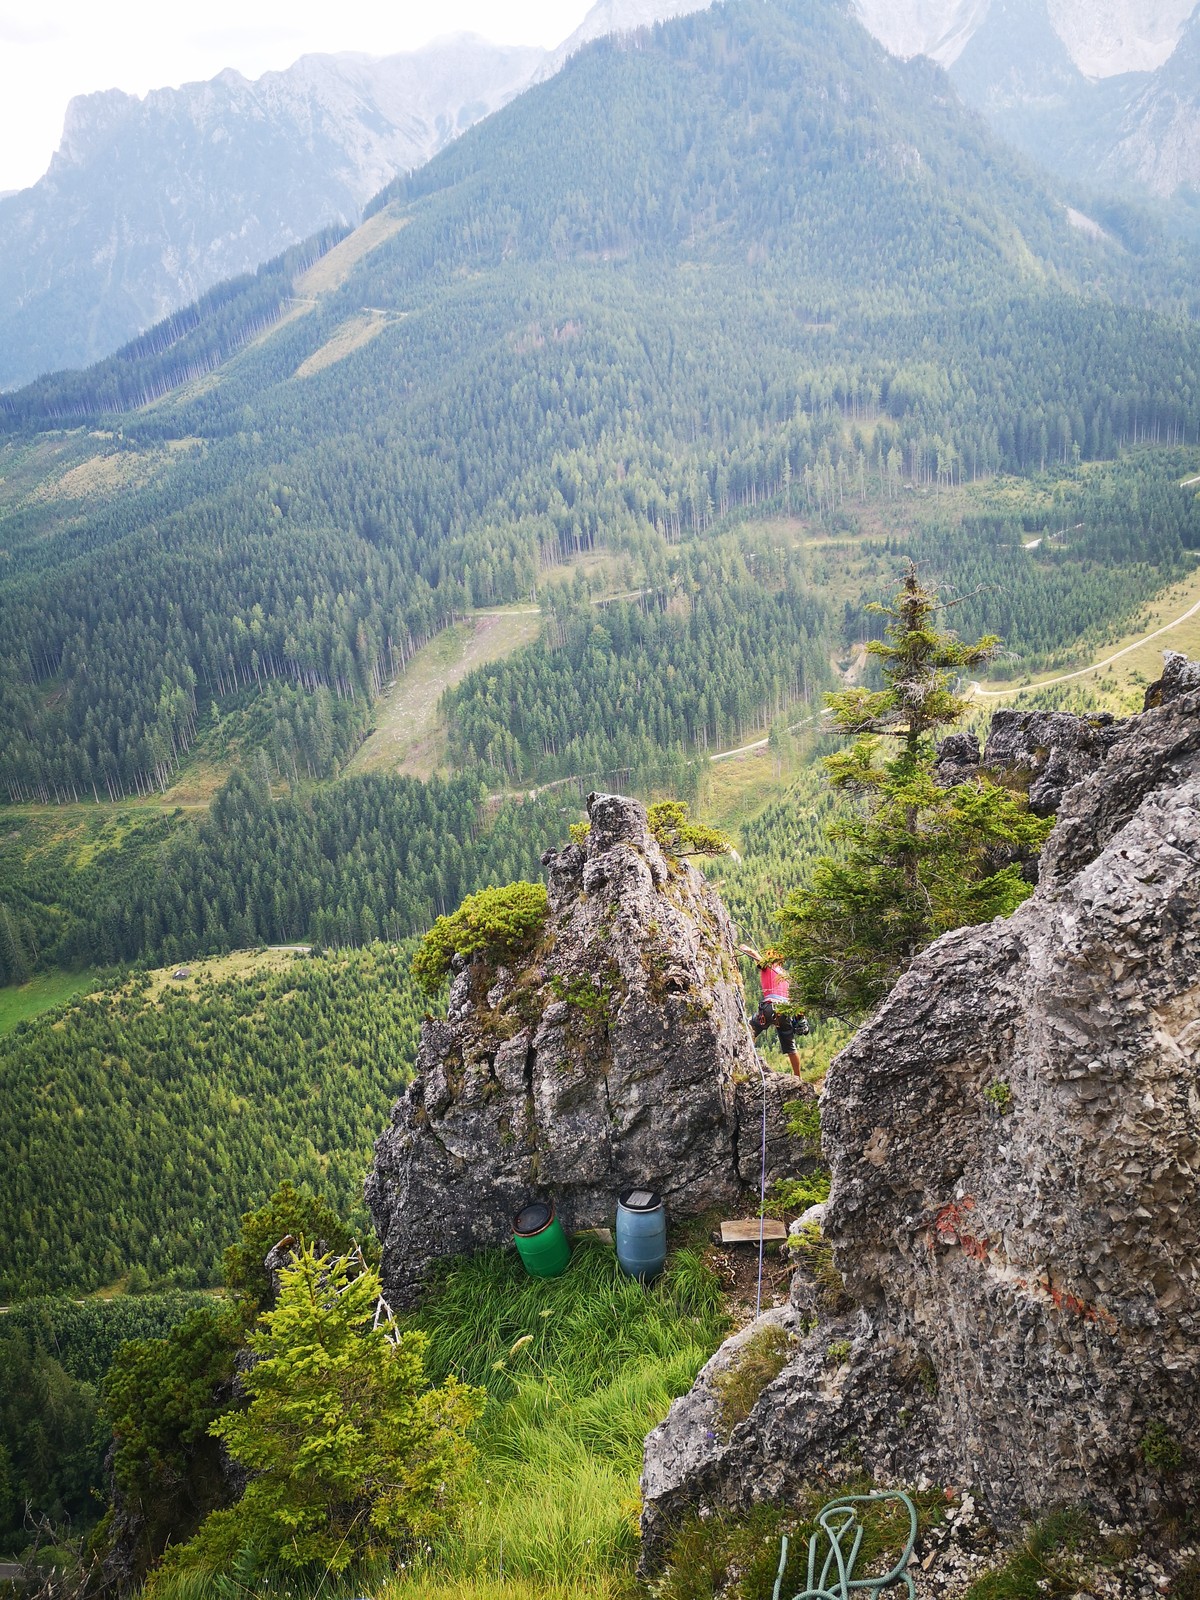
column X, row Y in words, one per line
column 1102, row 37
column 1158, row 138
column 1103, row 91
column 150, row 202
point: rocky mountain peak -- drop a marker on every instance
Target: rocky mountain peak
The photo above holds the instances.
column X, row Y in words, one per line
column 1015, row 1146
column 1102, row 37
column 1108, row 37
column 1157, row 143
column 615, row 1054
column 151, row 200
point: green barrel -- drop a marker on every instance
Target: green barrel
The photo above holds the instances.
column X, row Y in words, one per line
column 540, row 1240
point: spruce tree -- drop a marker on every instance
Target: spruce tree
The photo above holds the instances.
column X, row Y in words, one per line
column 350, row 1453
column 923, row 859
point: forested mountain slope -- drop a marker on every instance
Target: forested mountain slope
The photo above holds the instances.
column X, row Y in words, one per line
column 149, row 202
column 140, row 1122
column 792, row 258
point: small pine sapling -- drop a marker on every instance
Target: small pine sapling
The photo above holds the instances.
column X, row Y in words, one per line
column 498, row 922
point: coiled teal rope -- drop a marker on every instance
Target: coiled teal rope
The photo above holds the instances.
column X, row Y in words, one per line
column 838, row 1523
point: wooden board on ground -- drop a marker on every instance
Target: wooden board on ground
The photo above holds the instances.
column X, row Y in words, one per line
column 603, row 1234
column 747, row 1232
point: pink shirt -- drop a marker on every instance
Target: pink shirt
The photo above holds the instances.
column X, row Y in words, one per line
column 774, row 983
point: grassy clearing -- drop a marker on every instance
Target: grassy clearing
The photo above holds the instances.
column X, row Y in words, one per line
column 607, row 573
column 195, row 784
column 332, row 270
column 350, row 336
column 30, row 468
column 731, row 792
column 216, row 969
column 86, row 829
column 1117, row 685
column 409, row 735
column 578, row 1370
column 322, row 278
column 21, row 1001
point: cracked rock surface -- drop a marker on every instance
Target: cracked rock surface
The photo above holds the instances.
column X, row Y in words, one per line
column 608, row 1059
column 1015, row 1146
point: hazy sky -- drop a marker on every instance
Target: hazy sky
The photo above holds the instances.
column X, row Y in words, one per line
column 69, row 47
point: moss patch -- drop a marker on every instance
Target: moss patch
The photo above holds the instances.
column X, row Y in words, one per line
column 759, row 1362
column 813, row 1251
column 738, row 1558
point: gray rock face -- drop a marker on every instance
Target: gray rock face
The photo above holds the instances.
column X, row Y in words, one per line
column 1042, row 752
column 607, row 1060
column 1179, row 676
column 1157, row 144
column 1015, row 1145
column 958, row 758
column 1100, row 90
column 1047, row 751
column 1103, row 37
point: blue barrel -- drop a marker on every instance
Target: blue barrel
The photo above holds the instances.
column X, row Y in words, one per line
column 641, row 1233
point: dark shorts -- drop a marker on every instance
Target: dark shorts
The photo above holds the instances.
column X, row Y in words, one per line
column 787, row 1026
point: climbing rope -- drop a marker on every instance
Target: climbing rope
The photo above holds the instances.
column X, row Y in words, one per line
column 838, row 1522
column 762, row 1186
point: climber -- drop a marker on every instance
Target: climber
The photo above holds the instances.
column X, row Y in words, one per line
column 775, row 1011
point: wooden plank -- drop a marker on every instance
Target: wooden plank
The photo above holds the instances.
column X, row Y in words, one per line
column 603, row 1234
column 748, row 1232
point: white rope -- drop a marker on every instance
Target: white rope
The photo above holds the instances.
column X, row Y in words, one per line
column 762, row 1187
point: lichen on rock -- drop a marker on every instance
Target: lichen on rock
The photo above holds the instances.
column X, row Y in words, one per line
column 1014, row 1140
column 614, row 1054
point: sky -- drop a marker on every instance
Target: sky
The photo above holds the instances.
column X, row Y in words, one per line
column 52, row 52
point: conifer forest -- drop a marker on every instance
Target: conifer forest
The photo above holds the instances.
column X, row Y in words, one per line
column 327, row 601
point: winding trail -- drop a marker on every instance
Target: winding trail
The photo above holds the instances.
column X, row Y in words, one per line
column 1096, row 666
column 761, row 744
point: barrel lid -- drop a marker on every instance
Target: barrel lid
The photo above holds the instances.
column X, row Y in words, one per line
column 533, row 1218
column 641, row 1200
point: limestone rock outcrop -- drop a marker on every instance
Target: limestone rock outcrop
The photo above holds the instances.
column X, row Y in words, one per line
column 616, row 1055
column 1046, row 752
column 1179, row 676
column 1015, row 1146
column 1041, row 752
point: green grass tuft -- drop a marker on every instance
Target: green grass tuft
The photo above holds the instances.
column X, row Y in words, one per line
column 1043, row 1565
column 579, row 1369
column 759, row 1362
column 583, row 1327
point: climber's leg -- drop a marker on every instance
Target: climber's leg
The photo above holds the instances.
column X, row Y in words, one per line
column 786, row 1030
